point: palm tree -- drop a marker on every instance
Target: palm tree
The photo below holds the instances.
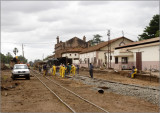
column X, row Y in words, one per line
column 15, row 51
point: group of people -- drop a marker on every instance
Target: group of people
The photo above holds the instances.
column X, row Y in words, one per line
column 62, row 69
column 71, row 70
column 68, row 70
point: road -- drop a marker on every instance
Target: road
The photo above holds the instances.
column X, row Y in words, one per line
column 32, row 96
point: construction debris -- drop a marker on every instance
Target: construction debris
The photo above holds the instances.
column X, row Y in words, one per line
column 100, row 91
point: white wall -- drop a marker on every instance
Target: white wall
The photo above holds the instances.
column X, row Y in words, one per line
column 89, row 55
column 150, row 57
column 72, row 56
column 113, row 46
column 148, row 53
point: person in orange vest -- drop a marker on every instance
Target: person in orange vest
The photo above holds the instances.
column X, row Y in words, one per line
column 54, row 69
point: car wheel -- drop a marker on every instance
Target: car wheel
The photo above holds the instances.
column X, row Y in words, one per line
column 28, row 77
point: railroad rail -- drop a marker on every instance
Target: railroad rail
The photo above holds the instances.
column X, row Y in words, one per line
column 68, row 91
column 54, row 94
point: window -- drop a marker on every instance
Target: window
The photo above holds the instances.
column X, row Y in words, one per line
column 116, row 60
column 124, row 60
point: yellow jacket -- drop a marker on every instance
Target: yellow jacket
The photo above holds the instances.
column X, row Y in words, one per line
column 54, row 68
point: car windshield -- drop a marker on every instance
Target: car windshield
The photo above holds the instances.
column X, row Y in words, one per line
column 20, row 67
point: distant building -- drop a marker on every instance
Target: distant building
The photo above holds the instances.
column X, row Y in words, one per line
column 72, row 54
column 98, row 54
column 142, row 54
column 71, row 46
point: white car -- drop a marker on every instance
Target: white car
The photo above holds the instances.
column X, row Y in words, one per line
column 20, row 71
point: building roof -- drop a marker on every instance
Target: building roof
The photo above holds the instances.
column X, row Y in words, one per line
column 138, row 43
column 101, row 45
column 51, row 56
column 73, row 50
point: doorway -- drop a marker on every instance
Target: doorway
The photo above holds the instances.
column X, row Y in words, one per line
column 139, row 60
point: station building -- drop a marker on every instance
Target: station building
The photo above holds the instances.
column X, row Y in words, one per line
column 98, row 54
column 142, row 54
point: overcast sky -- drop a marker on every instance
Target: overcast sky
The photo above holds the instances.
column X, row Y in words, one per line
column 36, row 24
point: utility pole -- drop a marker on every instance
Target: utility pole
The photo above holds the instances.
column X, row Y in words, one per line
column 110, row 54
column 109, row 50
column 43, row 56
column 22, row 51
column 122, row 33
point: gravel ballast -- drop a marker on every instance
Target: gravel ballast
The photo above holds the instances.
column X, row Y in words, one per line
column 150, row 94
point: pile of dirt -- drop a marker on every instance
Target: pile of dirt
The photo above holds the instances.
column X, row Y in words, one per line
column 4, row 67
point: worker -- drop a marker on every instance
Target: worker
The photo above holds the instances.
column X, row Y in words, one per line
column 54, row 69
column 39, row 68
column 134, row 71
column 60, row 70
column 63, row 70
column 77, row 68
column 44, row 69
column 74, row 70
column 47, row 69
column 71, row 71
column 68, row 69
column 91, row 70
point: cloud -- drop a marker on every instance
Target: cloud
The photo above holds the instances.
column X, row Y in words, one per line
column 93, row 3
column 41, row 22
column 31, row 6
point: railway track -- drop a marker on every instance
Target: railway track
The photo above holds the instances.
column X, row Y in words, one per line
column 150, row 94
column 119, row 83
column 71, row 100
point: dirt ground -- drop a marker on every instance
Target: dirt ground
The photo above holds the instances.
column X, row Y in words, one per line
column 31, row 96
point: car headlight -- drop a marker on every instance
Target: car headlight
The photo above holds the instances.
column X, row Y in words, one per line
column 15, row 71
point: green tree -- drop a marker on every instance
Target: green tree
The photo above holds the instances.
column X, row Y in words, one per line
column 96, row 39
column 22, row 59
column 3, row 58
column 157, row 33
column 8, row 57
column 152, row 30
